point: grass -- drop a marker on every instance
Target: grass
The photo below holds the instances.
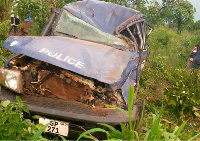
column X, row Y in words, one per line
column 159, row 129
column 127, row 130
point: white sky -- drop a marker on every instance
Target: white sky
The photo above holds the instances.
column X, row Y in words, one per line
column 197, row 6
column 195, row 3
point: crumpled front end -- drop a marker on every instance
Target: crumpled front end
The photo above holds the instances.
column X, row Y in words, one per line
column 71, row 68
column 33, row 77
column 100, row 54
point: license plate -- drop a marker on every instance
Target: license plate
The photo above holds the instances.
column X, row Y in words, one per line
column 56, row 127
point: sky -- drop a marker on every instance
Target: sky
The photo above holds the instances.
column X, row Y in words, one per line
column 195, row 4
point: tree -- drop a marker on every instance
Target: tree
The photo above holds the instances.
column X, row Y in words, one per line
column 181, row 13
column 178, row 13
column 5, row 9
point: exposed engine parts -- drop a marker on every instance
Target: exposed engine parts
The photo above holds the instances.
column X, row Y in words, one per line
column 43, row 79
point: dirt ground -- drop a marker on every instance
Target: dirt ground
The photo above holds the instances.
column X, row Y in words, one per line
column 18, row 33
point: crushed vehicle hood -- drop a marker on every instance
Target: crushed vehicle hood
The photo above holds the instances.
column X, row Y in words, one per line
column 100, row 62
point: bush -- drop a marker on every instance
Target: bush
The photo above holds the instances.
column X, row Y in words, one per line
column 184, row 96
column 158, row 129
column 5, row 54
column 4, row 28
column 13, row 126
column 166, row 71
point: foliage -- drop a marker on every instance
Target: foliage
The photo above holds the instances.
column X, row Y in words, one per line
column 38, row 134
column 175, row 13
column 127, row 130
column 166, row 68
column 61, row 3
column 184, row 95
column 4, row 27
column 166, row 71
column 158, row 130
column 40, row 10
column 5, row 9
column 194, row 26
column 13, row 126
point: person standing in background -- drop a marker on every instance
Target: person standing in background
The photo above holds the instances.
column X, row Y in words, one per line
column 196, row 61
column 14, row 23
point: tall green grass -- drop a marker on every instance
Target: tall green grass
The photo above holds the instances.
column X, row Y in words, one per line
column 158, row 130
column 127, row 130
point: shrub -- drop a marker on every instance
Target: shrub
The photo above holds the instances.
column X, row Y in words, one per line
column 184, row 96
column 157, row 131
column 5, row 54
column 13, row 126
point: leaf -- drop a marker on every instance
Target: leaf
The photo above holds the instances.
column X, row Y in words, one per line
column 194, row 137
column 5, row 103
column 137, row 135
column 179, row 130
column 155, row 131
column 90, row 137
column 197, row 114
column 194, row 109
column 29, row 129
column 39, row 132
column 91, row 131
column 18, row 99
column 123, row 128
column 25, row 109
column 117, row 108
column 3, row 119
column 110, row 127
column 62, row 138
column 130, row 104
column 36, row 117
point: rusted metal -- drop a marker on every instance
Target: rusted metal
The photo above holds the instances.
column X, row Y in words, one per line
column 54, row 86
column 133, row 38
column 42, row 79
column 141, row 40
column 80, row 79
column 123, row 25
column 48, row 27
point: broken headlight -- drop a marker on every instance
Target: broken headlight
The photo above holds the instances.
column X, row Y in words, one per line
column 11, row 79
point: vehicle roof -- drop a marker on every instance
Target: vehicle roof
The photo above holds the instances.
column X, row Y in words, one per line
column 103, row 15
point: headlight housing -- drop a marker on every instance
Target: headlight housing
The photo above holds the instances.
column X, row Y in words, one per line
column 11, row 79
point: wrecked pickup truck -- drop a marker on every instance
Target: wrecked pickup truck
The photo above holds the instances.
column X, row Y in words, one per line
column 89, row 55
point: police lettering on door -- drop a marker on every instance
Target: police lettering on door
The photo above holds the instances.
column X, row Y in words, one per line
column 63, row 58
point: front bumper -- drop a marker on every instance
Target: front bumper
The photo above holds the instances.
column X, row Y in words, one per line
column 68, row 110
column 78, row 115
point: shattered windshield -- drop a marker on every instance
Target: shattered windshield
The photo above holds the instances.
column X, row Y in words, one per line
column 69, row 25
